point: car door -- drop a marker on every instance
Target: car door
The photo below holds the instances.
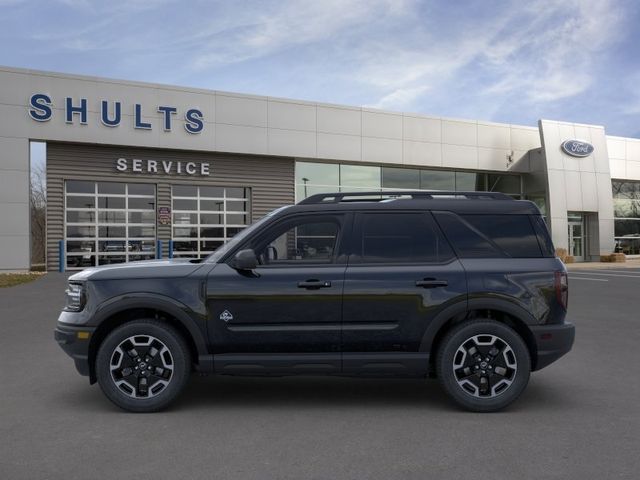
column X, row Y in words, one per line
column 291, row 303
column 402, row 272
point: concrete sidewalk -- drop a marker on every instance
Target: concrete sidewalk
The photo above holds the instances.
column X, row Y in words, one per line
column 630, row 263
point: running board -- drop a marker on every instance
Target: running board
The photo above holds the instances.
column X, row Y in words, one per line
column 374, row 364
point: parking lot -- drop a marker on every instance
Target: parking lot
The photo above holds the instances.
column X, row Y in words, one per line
column 578, row 419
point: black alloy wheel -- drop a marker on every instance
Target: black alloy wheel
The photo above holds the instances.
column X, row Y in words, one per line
column 483, row 365
column 143, row 365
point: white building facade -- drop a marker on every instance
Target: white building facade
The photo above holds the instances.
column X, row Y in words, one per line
column 137, row 170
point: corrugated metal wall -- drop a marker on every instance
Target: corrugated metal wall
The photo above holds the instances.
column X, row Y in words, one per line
column 271, row 180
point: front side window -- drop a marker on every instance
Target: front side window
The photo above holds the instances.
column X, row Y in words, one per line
column 301, row 241
column 400, row 238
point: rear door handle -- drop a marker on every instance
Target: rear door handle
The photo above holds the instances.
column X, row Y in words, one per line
column 431, row 283
column 314, row 284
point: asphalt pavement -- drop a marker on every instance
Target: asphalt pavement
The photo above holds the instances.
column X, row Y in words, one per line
column 578, row 418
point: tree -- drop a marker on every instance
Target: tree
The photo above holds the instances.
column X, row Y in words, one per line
column 38, row 211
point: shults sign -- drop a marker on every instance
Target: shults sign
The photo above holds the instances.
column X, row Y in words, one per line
column 41, row 109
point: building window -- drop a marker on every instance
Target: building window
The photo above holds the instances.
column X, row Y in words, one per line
column 359, row 177
column 400, row 178
column 626, row 211
column 312, row 178
column 204, row 218
column 109, row 222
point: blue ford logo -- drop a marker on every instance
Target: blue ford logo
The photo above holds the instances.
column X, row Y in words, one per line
column 577, row 148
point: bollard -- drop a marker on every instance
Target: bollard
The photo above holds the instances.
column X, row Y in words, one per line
column 61, row 259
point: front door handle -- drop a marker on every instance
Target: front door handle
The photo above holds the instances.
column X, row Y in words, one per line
column 431, row 283
column 314, row 284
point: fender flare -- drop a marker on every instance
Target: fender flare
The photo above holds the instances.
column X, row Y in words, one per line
column 495, row 303
column 438, row 322
column 154, row 301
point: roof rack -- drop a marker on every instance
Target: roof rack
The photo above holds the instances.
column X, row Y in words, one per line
column 399, row 194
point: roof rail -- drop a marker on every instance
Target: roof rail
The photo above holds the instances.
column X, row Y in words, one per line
column 414, row 194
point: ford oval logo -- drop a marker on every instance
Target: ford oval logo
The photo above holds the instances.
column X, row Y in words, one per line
column 577, row 148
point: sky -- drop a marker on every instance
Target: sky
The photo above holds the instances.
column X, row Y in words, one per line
column 495, row 60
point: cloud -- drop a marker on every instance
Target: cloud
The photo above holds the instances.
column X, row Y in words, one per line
column 552, row 57
column 400, row 97
column 284, row 25
column 540, row 51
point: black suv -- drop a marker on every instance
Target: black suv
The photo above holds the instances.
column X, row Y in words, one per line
column 462, row 286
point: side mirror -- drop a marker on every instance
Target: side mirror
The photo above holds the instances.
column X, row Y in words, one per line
column 245, row 260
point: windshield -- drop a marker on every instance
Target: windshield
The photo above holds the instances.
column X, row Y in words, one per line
column 240, row 237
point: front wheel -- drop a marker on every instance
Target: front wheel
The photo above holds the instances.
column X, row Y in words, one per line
column 484, row 365
column 143, row 365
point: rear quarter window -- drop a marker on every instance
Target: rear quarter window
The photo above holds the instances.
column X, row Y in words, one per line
column 487, row 236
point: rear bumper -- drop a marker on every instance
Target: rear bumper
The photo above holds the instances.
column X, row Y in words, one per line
column 74, row 340
column 552, row 342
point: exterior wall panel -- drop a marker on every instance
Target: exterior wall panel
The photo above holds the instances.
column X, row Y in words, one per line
column 271, row 180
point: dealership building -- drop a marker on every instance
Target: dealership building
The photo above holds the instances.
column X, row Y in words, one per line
column 138, row 170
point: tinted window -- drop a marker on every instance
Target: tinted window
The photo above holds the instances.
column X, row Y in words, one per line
column 482, row 236
column 514, row 234
column 304, row 241
column 437, row 180
column 504, row 183
column 470, row 182
column 400, row 178
column 401, row 237
column 544, row 239
column 468, row 242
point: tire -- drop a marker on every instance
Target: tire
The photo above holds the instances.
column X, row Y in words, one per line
column 461, row 369
column 147, row 346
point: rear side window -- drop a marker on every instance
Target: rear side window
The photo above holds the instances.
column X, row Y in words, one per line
column 544, row 239
column 401, row 237
column 514, row 234
column 483, row 236
column 468, row 241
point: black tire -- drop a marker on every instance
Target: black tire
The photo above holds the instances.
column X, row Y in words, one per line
column 162, row 386
column 455, row 359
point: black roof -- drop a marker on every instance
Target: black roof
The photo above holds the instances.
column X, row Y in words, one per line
column 458, row 202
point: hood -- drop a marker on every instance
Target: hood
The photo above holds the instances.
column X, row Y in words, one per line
column 174, row 268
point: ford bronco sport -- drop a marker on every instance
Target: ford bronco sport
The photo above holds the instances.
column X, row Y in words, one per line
column 461, row 286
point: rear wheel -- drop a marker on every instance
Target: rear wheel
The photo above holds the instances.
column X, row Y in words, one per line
column 483, row 365
column 143, row 365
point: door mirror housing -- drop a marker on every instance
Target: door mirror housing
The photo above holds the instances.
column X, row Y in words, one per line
column 245, row 260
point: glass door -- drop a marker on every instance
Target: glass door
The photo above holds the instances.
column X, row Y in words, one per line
column 576, row 236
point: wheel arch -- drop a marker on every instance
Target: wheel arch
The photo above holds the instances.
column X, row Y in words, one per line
column 122, row 310
column 502, row 310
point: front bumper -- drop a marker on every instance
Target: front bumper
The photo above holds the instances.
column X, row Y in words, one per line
column 552, row 342
column 74, row 340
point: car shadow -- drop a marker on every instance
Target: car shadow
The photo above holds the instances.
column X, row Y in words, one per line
column 361, row 393
column 310, row 393
column 313, row 392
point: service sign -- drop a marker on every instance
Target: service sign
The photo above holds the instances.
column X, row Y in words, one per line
column 166, row 167
column 577, row 148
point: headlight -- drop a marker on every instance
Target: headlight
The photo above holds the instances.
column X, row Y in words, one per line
column 75, row 297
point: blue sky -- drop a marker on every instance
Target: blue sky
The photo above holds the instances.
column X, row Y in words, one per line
column 504, row 61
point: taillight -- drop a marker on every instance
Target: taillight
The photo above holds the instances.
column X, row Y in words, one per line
column 562, row 288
